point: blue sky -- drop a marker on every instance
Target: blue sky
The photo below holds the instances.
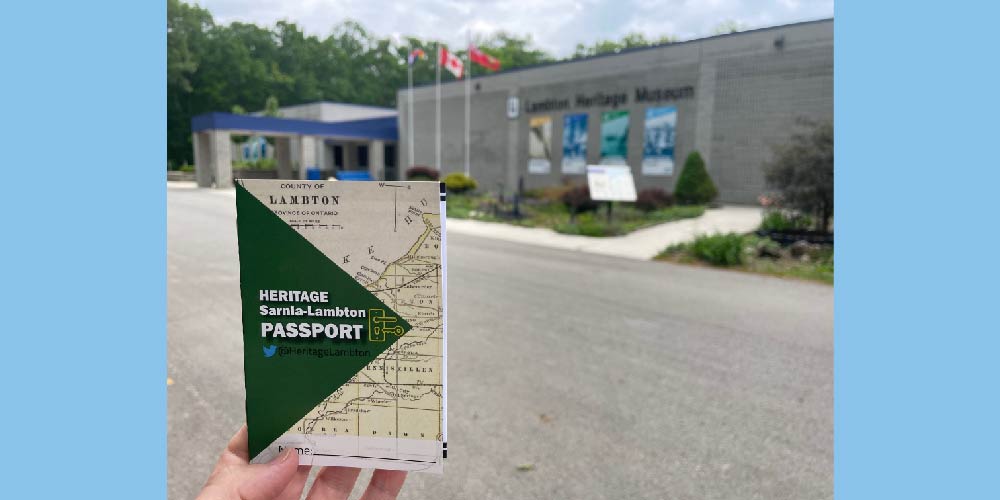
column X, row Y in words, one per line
column 555, row 25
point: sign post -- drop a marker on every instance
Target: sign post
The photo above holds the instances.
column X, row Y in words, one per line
column 610, row 183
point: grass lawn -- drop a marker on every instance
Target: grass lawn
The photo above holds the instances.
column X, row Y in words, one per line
column 554, row 215
column 743, row 253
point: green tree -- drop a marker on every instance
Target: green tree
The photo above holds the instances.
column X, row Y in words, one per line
column 728, row 26
column 802, row 171
column 514, row 51
column 186, row 28
column 271, row 106
column 629, row 41
column 213, row 67
column 694, row 186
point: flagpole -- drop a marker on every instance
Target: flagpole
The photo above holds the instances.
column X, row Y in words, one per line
column 409, row 114
column 437, row 114
column 468, row 87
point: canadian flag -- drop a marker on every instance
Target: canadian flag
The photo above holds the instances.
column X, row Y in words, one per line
column 450, row 62
column 483, row 59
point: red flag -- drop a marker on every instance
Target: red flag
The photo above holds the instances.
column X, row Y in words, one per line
column 483, row 59
column 450, row 62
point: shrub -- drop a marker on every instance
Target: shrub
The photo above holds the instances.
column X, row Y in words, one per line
column 651, row 199
column 186, row 168
column 421, row 173
column 779, row 220
column 694, row 186
column 802, row 171
column 550, row 194
column 719, row 249
column 577, row 200
column 262, row 164
column 457, row 182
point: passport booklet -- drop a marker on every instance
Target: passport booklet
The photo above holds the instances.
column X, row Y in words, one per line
column 345, row 321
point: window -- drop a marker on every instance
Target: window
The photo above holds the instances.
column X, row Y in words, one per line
column 363, row 156
column 338, row 156
column 390, row 155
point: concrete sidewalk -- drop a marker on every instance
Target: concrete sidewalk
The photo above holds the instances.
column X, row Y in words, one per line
column 643, row 244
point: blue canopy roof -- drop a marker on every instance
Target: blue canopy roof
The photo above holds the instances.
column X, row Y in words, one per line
column 386, row 128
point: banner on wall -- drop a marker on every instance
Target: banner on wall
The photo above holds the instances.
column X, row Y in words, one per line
column 614, row 138
column 540, row 145
column 574, row 160
column 658, row 141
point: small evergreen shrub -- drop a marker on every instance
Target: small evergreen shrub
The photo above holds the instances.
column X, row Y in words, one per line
column 421, row 173
column 694, row 186
column 457, row 182
column 719, row 249
column 651, row 199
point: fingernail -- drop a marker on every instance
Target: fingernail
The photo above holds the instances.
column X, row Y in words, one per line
column 285, row 455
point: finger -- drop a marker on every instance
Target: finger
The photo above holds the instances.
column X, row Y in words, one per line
column 294, row 489
column 267, row 481
column 385, row 485
column 334, row 483
column 237, row 451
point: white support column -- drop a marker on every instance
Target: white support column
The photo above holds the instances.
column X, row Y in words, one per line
column 319, row 145
column 283, row 157
column 202, row 168
column 307, row 154
column 221, row 159
column 376, row 160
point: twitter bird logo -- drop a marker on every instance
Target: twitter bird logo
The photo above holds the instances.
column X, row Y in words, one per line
column 270, row 350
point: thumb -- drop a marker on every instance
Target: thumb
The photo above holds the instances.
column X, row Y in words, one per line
column 266, row 481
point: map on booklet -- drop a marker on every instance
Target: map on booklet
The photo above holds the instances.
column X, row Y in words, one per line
column 344, row 321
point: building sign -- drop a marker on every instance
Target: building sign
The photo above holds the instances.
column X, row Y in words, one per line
column 614, row 137
column 658, row 141
column 513, row 107
column 609, row 99
column 574, row 159
column 540, row 145
column 610, row 183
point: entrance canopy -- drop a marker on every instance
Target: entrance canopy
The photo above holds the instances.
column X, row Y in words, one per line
column 384, row 129
column 303, row 148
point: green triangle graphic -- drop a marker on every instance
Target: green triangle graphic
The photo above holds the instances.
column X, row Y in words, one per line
column 284, row 387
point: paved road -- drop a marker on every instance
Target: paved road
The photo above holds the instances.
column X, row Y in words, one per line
column 614, row 378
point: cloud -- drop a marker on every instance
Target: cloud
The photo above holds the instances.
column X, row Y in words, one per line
column 555, row 25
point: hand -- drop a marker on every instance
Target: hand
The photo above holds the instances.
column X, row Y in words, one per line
column 234, row 478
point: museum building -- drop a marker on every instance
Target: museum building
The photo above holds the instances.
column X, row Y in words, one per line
column 730, row 97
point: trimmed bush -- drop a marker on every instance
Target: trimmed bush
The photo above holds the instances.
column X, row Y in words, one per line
column 577, row 200
column 186, row 168
column 694, row 186
column 778, row 220
column 421, row 173
column 719, row 249
column 457, row 182
column 651, row 199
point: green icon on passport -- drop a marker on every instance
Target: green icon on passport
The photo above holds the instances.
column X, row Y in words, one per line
column 378, row 325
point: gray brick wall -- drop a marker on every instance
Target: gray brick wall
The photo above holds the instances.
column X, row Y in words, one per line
column 748, row 93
